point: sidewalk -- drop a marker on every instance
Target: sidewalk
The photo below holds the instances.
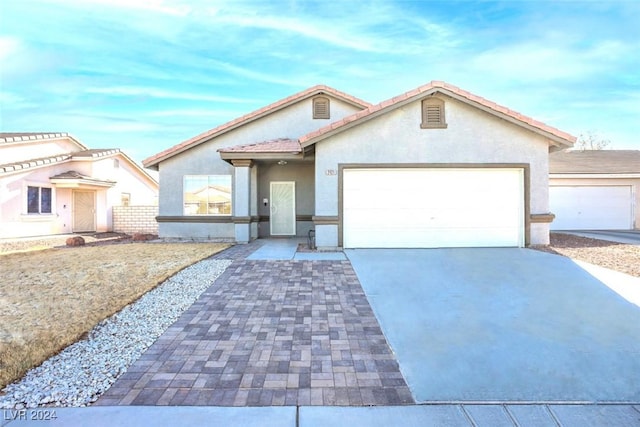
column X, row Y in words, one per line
column 463, row 415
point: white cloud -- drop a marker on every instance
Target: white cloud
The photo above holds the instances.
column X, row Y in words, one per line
column 166, row 94
column 9, row 46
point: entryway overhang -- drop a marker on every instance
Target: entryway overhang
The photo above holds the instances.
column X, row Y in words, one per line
column 276, row 149
column 73, row 179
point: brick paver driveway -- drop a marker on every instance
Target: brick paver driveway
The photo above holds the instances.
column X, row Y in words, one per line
column 270, row 333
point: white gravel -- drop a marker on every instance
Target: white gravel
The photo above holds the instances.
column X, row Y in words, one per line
column 83, row 371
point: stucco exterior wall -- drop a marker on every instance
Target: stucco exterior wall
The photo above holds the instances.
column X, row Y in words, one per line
column 633, row 182
column 290, row 122
column 472, row 137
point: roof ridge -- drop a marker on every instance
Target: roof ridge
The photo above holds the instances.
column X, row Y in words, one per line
column 30, row 136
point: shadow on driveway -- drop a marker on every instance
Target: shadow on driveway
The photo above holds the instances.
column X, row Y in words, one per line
column 502, row 325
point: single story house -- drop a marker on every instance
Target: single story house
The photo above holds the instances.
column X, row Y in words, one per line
column 433, row 167
column 595, row 189
column 51, row 183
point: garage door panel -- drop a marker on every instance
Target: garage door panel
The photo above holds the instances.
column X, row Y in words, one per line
column 591, row 207
column 433, row 207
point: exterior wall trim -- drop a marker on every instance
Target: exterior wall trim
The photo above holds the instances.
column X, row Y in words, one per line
column 192, row 219
column 542, row 218
column 524, row 166
column 326, row 220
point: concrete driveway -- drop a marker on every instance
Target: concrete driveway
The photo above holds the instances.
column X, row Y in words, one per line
column 502, row 325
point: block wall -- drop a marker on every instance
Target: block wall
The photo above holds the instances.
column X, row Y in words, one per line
column 135, row 219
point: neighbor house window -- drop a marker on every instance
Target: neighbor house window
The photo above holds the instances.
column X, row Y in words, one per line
column 433, row 114
column 39, row 200
column 321, row 107
column 207, row 195
column 125, row 199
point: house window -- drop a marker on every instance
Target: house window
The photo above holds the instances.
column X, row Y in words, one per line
column 207, row 194
column 125, row 199
column 433, row 114
column 39, row 200
column 321, row 107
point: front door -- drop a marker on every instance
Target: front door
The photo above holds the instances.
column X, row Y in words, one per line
column 84, row 211
column 283, row 208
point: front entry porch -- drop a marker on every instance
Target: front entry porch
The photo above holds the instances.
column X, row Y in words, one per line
column 289, row 249
column 273, row 198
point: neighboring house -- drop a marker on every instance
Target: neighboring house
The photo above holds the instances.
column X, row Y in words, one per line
column 434, row 167
column 51, row 183
column 595, row 189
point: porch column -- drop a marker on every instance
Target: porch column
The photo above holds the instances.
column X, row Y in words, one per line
column 242, row 200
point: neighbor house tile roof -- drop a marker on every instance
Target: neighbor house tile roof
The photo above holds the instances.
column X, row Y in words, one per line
column 447, row 89
column 32, row 163
column 595, row 162
column 13, row 137
column 233, row 124
column 280, row 145
column 43, row 161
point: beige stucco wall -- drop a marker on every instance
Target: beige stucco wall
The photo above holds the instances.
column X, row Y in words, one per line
column 18, row 151
column 633, row 182
column 472, row 137
column 204, row 159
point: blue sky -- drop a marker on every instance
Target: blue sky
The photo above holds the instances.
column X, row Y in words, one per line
column 144, row 75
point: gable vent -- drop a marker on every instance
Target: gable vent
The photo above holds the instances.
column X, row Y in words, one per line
column 433, row 114
column 321, row 108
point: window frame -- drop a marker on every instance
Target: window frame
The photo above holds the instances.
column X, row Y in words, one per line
column 187, row 212
column 39, row 187
column 321, row 115
column 427, row 117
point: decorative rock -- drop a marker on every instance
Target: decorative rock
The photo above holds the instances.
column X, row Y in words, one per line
column 75, row 241
column 80, row 373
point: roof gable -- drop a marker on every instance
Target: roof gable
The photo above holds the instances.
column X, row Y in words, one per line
column 555, row 136
column 153, row 161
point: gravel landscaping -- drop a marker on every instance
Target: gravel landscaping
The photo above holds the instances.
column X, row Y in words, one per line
column 83, row 371
column 615, row 256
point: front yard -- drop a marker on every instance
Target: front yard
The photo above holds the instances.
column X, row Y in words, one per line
column 51, row 298
column 615, row 256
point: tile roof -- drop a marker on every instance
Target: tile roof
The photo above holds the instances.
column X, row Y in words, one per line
column 280, row 145
column 447, row 89
column 198, row 139
column 73, row 175
column 27, row 164
column 96, row 152
column 13, row 137
column 595, row 162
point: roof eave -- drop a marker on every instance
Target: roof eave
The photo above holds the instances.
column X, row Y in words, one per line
column 229, row 156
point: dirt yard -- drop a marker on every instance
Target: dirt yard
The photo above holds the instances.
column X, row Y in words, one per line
column 50, row 298
column 616, row 256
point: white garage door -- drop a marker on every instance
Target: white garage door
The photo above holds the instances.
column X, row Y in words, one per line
column 591, row 208
column 429, row 208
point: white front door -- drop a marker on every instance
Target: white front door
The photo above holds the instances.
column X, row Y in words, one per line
column 283, row 208
column 84, row 211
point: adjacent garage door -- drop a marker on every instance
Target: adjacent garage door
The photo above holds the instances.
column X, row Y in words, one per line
column 429, row 208
column 591, row 208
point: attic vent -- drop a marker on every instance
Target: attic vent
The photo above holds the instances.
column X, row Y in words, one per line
column 321, row 107
column 433, row 114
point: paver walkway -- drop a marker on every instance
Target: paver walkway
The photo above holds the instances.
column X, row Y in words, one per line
column 270, row 333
